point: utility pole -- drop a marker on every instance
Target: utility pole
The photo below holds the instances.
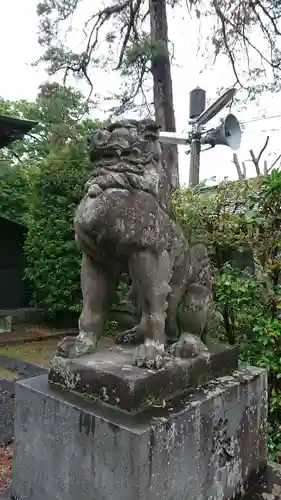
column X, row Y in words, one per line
column 194, row 169
column 197, row 104
column 228, row 133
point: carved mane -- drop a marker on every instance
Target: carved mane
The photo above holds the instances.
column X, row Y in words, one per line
column 127, row 155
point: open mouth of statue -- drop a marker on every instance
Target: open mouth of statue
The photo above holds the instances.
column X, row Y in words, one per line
column 103, row 152
column 108, row 152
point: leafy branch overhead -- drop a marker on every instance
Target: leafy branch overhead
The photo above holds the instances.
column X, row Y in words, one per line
column 246, row 31
column 249, row 31
column 61, row 114
column 138, row 30
column 123, row 22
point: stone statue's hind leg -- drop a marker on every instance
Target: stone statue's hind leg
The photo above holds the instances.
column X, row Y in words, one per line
column 150, row 275
column 183, row 343
column 179, row 279
column 196, row 305
column 174, row 299
column 97, row 285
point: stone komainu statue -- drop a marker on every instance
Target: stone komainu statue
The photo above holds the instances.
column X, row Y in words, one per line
column 123, row 224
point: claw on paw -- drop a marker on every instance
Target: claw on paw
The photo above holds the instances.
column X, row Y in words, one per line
column 149, row 355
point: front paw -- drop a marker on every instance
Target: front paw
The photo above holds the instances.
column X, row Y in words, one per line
column 188, row 346
column 149, row 355
column 71, row 347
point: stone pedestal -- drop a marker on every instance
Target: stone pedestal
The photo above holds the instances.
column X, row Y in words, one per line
column 210, row 444
column 109, row 376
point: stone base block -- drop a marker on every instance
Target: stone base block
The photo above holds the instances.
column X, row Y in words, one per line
column 109, row 376
column 209, row 446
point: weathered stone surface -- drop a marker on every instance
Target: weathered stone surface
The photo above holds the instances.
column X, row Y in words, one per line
column 204, row 447
column 123, row 224
column 6, row 494
column 269, row 485
column 110, row 376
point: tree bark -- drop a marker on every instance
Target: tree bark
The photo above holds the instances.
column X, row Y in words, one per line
column 162, row 87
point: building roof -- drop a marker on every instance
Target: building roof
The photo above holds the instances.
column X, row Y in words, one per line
column 12, row 129
column 12, row 221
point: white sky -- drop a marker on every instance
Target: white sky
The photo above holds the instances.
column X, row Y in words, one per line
column 19, row 48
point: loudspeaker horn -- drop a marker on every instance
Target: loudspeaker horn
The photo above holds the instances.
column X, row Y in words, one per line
column 228, row 133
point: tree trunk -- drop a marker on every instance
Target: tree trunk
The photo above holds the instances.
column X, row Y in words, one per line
column 162, row 87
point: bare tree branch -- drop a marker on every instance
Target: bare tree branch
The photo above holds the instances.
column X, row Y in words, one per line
column 241, row 168
column 235, row 35
column 255, row 159
column 238, row 167
column 101, row 17
column 274, row 163
column 263, row 149
column 223, row 27
column 134, row 10
column 255, row 162
column 244, row 171
column 272, row 19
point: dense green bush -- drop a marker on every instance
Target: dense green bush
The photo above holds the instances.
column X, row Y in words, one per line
column 41, row 182
column 244, row 216
column 14, row 191
column 238, row 298
column 53, row 256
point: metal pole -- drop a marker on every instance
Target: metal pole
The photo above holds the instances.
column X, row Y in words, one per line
column 194, row 169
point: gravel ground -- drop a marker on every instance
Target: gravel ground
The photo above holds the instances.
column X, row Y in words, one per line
column 27, row 332
column 7, row 392
column 6, row 456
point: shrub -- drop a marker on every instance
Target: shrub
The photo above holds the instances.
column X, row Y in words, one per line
column 244, row 216
column 52, row 255
column 15, row 191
